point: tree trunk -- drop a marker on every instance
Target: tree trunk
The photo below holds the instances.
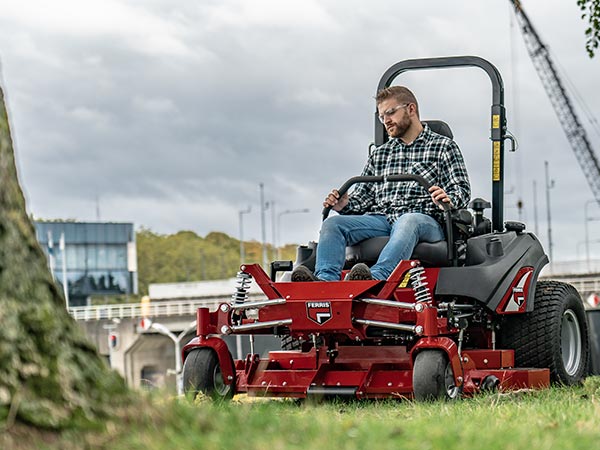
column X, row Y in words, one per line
column 50, row 375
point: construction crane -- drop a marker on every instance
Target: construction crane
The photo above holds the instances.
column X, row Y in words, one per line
column 567, row 117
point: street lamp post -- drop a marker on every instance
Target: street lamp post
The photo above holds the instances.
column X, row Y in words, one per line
column 535, row 216
column 586, row 244
column 242, row 249
column 273, row 229
column 549, row 185
column 160, row 328
column 262, row 226
column 282, row 213
column 587, row 236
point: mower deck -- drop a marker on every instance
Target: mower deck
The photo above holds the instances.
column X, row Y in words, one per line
column 369, row 373
column 332, row 321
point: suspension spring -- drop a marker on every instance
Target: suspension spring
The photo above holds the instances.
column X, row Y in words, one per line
column 419, row 283
column 243, row 285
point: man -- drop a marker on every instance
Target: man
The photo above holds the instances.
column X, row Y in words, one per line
column 404, row 211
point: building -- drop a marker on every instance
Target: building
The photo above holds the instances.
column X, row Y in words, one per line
column 93, row 258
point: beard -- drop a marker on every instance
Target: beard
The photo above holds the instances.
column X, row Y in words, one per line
column 398, row 129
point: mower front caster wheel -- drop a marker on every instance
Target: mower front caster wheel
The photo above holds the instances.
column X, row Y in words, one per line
column 433, row 378
column 202, row 374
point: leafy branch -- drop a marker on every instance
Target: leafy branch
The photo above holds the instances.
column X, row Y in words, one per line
column 591, row 13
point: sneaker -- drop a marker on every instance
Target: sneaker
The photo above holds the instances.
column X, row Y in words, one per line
column 302, row 273
column 359, row 271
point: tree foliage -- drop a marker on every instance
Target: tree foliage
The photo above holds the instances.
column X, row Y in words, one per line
column 50, row 375
column 185, row 256
column 591, row 13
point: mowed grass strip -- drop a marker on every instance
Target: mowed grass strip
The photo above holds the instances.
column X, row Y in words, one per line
column 557, row 418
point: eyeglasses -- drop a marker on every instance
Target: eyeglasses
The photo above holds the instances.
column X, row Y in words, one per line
column 390, row 112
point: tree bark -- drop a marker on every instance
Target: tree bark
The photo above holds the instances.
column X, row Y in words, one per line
column 50, row 375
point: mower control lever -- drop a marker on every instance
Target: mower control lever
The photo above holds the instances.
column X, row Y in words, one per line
column 382, row 179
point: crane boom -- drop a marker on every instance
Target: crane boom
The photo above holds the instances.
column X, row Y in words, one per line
column 567, row 117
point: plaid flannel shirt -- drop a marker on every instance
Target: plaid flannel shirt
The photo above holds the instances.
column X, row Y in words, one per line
column 432, row 156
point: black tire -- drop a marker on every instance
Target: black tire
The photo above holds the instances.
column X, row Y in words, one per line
column 290, row 343
column 554, row 335
column 202, row 374
column 433, row 378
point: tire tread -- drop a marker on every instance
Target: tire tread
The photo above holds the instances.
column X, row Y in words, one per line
column 535, row 336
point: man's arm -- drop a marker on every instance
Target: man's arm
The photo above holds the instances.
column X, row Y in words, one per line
column 362, row 196
column 454, row 180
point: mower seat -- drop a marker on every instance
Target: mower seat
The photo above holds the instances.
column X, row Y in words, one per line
column 431, row 254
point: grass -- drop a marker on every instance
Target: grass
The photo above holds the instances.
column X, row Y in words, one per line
column 557, row 418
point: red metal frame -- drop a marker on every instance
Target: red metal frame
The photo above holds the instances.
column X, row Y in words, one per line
column 350, row 360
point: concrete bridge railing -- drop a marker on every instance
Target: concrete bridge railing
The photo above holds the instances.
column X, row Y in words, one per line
column 134, row 310
column 161, row 308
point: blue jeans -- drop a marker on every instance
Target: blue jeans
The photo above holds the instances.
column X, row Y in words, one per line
column 340, row 231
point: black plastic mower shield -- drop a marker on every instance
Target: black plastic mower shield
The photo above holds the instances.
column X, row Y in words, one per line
column 487, row 278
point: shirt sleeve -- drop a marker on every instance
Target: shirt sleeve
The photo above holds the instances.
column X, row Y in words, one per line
column 453, row 176
column 362, row 197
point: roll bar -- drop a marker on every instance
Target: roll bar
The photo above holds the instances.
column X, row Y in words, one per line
column 498, row 117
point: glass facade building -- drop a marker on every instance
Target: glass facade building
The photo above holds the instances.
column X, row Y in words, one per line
column 99, row 258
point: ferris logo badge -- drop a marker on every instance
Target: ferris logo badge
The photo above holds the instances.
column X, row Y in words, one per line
column 518, row 296
column 319, row 312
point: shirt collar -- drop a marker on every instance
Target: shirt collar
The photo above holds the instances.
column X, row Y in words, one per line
column 423, row 136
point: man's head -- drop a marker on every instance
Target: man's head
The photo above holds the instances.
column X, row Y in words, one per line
column 399, row 112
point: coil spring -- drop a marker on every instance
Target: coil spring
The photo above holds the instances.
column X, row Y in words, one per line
column 243, row 285
column 419, row 283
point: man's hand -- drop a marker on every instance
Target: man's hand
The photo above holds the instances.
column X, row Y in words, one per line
column 334, row 201
column 438, row 195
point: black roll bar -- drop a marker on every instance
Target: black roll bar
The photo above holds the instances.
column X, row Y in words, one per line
column 498, row 117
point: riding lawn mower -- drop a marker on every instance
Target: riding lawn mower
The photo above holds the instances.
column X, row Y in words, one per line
column 462, row 316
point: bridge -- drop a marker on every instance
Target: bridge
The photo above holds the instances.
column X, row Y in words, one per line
column 146, row 356
column 582, row 275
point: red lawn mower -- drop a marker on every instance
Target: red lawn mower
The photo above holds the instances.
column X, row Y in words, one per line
column 461, row 316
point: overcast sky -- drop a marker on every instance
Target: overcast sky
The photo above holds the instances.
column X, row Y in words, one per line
column 169, row 114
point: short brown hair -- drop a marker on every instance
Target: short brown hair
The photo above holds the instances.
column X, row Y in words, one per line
column 400, row 93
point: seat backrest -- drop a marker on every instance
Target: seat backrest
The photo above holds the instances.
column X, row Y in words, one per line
column 440, row 127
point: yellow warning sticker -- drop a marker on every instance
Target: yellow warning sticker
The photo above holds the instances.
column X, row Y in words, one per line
column 496, row 161
column 495, row 120
column 404, row 282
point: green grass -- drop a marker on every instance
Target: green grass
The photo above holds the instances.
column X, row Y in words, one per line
column 558, row 418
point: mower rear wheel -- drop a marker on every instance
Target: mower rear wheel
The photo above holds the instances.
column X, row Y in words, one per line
column 554, row 335
column 202, row 374
column 433, row 378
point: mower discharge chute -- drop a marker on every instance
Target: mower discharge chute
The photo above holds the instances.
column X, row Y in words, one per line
column 461, row 316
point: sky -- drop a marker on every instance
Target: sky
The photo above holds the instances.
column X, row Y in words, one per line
column 170, row 114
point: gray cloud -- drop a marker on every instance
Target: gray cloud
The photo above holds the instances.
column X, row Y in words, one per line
column 173, row 113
